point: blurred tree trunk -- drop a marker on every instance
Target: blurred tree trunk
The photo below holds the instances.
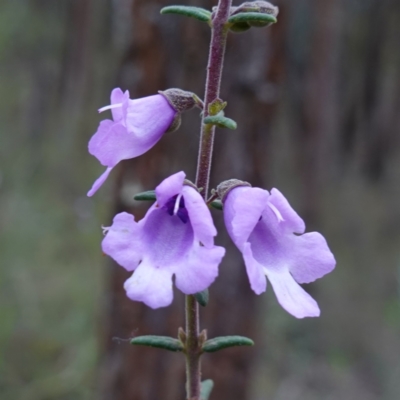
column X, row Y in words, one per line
column 316, row 103
column 171, row 51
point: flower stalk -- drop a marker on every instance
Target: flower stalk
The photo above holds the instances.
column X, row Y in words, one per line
column 212, row 90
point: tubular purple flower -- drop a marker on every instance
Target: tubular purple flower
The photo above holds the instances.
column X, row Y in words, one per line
column 136, row 127
column 176, row 237
column 271, row 237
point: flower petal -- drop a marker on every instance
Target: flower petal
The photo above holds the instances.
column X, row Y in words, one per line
column 112, row 143
column 169, row 187
column 243, row 207
column 255, row 271
column 291, row 220
column 199, row 268
column 119, row 97
column 151, row 285
column 99, row 181
column 291, row 296
column 200, row 216
column 310, row 257
column 166, row 239
column 149, row 116
column 122, row 241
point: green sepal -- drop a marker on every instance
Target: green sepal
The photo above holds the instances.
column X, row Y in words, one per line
column 150, row 195
column 202, row 297
column 217, row 204
column 195, row 12
column 222, row 342
column 240, row 27
column 206, row 388
column 161, row 342
column 253, row 18
column 221, row 121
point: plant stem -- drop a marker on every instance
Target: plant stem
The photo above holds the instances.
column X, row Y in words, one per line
column 193, row 372
column 213, row 83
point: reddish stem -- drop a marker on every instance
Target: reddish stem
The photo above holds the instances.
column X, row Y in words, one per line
column 213, row 83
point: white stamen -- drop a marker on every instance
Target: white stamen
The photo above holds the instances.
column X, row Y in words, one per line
column 177, row 201
column 105, row 229
column 276, row 212
column 105, row 108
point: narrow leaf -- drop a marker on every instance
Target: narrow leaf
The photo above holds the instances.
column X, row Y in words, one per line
column 195, row 12
column 206, row 388
column 161, row 342
column 221, row 121
column 216, row 107
column 217, row 204
column 202, row 297
column 240, row 27
column 253, row 18
column 149, row 195
column 222, row 342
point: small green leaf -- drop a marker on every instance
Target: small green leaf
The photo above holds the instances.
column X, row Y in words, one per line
column 161, row 342
column 202, row 297
column 222, row 342
column 248, row 8
column 221, row 121
column 216, row 107
column 253, row 18
column 149, row 195
column 206, row 388
column 240, row 27
column 217, row 204
column 195, row 12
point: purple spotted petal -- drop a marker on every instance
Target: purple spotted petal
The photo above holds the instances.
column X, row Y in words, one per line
column 272, row 248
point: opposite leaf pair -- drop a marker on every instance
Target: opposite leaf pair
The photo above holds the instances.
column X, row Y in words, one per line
column 176, row 237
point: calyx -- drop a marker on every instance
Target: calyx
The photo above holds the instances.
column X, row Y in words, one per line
column 226, row 186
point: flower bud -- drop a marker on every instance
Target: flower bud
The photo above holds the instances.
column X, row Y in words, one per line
column 226, row 186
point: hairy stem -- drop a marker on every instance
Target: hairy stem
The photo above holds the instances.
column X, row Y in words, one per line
column 213, row 83
column 193, row 372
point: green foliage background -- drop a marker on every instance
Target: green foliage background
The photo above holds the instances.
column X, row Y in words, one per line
column 50, row 273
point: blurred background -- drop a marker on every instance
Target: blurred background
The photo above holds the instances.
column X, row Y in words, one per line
column 317, row 101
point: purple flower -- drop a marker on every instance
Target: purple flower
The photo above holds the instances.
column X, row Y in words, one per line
column 176, row 237
column 136, row 127
column 271, row 237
